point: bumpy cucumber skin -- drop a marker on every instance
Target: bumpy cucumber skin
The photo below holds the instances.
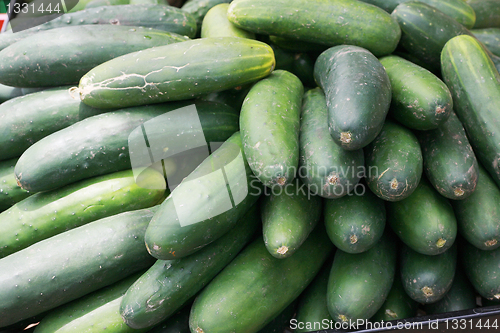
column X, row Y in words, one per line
column 355, row 222
column 490, row 37
column 449, row 161
column 474, row 83
column 426, row 279
column 424, row 221
column 327, row 169
column 358, row 94
column 46, row 214
column 10, row 192
column 317, row 21
column 192, row 68
column 262, row 279
column 216, row 24
column 483, row 270
column 72, row 264
column 270, row 124
column 351, row 294
column 394, row 162
column 487, row 13
column 420, row 100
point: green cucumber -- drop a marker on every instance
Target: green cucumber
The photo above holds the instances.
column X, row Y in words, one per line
column 420, row 100
column 288, row 217
column 269, row 124
column 449, row 161
column 100, row 3
column 427, row 279
column 327, row 169
column 149, row 76
column 351, row 292
column 424, row 221
column 296, row 45
column 394, row 162
column 199, row 8
column 317, row 21
column 46, row 214
column 72, row 264
column 490, row 37
column 303, row 68
column 178, row 323
column 10, row 192
column 284, row 59
column 487, row 13
column 483, row 270
column 355, row 222
column 228, row 303
column 216, row 24
column 281, row 322
column 358, row 94
column 7, row 92
column 233, row 97
column 474, row 83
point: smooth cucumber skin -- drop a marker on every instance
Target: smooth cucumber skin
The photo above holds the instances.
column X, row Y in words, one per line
column 216, row 24
column 296, row 45
column 169, row 284
column 351, row 294
column 288, row 217
column 487, row 13
column 474, row 83
column 355, row 222
column 148, row 76
column 228, row 303
column 282, row 321
column 199, row 8
column 427, row 279
column 394, row 162
column 100, row 3
column 424, row 221
column 490, row 37
column 10, row 192
column 483, row 270
column 449, row 161
column 327, row 169
column 72, row 264
column 45, row 214
column 7, row 92
column 318, row 21
column 420, row 100
column 358, row 94
column 178, row 323
column 270, row 124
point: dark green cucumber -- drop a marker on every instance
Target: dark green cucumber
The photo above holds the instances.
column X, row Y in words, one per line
column 296, row 45
column 284, row 59
column 72, row 264
column 10, row 192
column 483, row 270
column 281, row 322
column 420, row 100
column 449, row 161
column 100, row 3
column 46, row 214
column 317, row 21
column 205, row 205
column 288, row 217
column 424, row 221
column 303, row 68
column 228, row 303
column 355, row 222
column 427, row 279
column 358, row 94
column 7, row 92
column 478, row 216
column 487, row 13
column 177, row 323
column 474, row 83
column 490, row 37
column 216, row 24
column 327, row 169
column 351, row 292
column 233, row 97
column 394, row 162
column 199, row 8
column 269, row 124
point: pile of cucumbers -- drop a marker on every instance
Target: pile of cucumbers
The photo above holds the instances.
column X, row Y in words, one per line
column 249, row 166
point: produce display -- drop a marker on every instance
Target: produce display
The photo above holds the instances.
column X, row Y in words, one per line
column 249, row 166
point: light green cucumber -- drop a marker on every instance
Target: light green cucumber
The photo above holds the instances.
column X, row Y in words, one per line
column 10, row 192
column 216, row 24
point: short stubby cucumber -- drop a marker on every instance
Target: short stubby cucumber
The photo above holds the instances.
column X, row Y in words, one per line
column 191, row 69
column 10, row 192
column 216, row 24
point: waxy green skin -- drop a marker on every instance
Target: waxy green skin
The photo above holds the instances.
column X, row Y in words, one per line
column 8, row 92
column 72, row 264
column 358, row 94
column 487, row 13
column 177, row 323
column 474, row 83
column 318, row 21
column 281, row 321
column 490, row 37
column 10, row 192
column 449, row 161
column 270, row 123
column 483, row 270
column 199, row 8
column 216, row 24
column 46, row 214
column 326, row 168
column 192, row 68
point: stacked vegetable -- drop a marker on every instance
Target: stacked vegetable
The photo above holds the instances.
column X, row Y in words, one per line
column 226, row 167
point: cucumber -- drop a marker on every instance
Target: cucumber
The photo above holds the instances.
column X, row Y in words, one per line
column 261, row 279
column 424, row 221
column 487, row 13
column 46, row 214
column 149, row 76
column 288, row 217
column 72, row 264
column 10, row 193
column 233, row 97
column 296, row 45
column 284, row 59
column 490, row 37
column 7, row 92
column 216, row 24
column 178, row 323
column 478, row 216
column 358, row 94
column 483, row 270
column 427, row 279
column 318, row 21
column 355, row 222
column 351, row 294
column 199, row 8
column 327, row 169
column 449, row 161
column 100, row 3
column 303, row 68
column 394, row 163
column 281, row 322
column 474, row 83
column 420, row 100
column 269, row 124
